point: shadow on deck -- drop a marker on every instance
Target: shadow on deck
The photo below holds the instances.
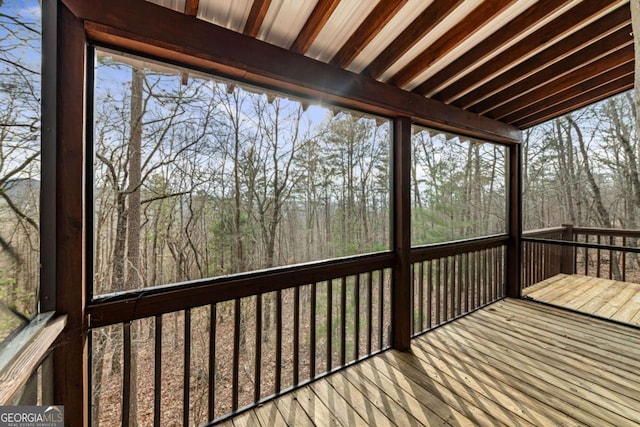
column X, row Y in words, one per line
column 514, row 362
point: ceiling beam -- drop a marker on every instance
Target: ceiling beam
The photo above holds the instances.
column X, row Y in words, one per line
column 460, row 32
column 435, row 13
column 191, row 7
column 380, row 16
column 149, row 29
column 566, row 91
column 620, row 40
column 256, row 16
column 533, row 43
column 489, row 46
column 592, row 33
column 320, row 15
column 586, row 98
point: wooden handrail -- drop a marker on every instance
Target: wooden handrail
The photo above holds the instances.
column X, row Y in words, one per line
column 614, row 232
column 42, row 333
column 440, row 250
column 541, row 231
column 130, row 306
column 583, row 245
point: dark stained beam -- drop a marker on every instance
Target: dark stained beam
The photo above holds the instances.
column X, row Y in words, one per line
column 571, row 90
column 586, row 98
column 460, row 32
column 401, row 235
column 593, row 33
column 320, row 15
column 619, row 40
column 143, row 27
column 370, row 27
column 70, row 358
column 491, row 44
column 559, row 27
column 191, row 7
column 513, row 287
column 435, row 13
column 258, row 11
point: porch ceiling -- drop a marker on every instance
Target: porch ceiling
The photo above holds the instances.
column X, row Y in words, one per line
column 518, row 61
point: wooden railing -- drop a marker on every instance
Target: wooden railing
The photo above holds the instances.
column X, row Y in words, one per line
column 450, row 280
column 541, row 261
column 597, row 252
column 196, row 352
column 230, row 344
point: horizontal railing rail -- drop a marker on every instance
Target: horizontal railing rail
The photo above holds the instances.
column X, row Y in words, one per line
column 439, row 250
column 587, row 245
column 156, row 301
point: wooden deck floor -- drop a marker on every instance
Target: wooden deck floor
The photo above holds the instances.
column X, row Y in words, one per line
column 602, row 297
column 513, row 363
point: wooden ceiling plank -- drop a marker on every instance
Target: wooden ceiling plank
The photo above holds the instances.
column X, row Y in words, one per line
column 586, row 98
column 522, row 112
column 148, row 29
column 491, row 44
column 620, row 40
column 380, row 16
column 191, row 7
column 592, row 33
column 559, row 27
column 460, row 32
column 320, row 15
column 435, row 13
column 613, row 61
column 256, row 16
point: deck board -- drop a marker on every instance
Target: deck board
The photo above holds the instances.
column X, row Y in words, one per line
column 514, row 362
column 601, row 297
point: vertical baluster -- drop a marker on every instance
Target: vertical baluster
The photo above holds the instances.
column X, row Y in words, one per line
column 312, row 332
column 157, row 372
column 487, row 275
column 381, row 308
column 278, row 382
column 370, row 309
column 598, row 257
column 458, row 261
column 477, row 278
column 236, row 355
column 356, row 318
column 343, row 321
column 257, row 376
column 420, row 273
column 586, row 256
column 438, row 286
column 429, row 293
column 296, row 334
column 624, row 260
column 447, row 290
column 186, row 373
column 329, row 323
column 467, row 282
column 212, row 361
column 126, row 372
column 612, row 258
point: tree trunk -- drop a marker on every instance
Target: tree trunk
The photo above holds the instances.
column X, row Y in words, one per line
column 133, row 218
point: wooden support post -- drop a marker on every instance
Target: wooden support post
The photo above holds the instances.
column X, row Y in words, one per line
column 567, row 253
column 514, row 225
column 401, row 235
column 70, row 356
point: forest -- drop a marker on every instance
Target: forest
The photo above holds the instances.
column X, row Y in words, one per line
column 196, row 176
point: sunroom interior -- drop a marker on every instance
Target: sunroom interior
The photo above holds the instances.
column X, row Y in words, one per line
column 483, row 326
